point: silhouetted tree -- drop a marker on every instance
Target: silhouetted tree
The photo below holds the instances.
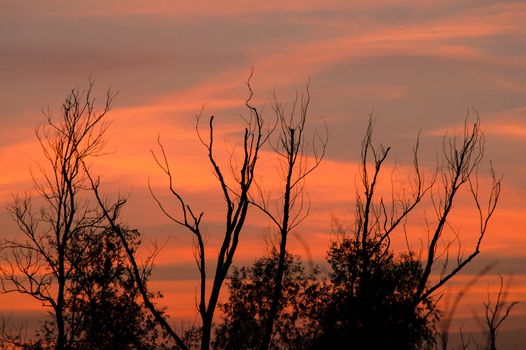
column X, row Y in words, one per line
column 378, row 314
column 376, row 299
column 298, row 156
column 369, row 280
column 68, row 258
column 251, row 290
column 236, row 198
column 496, row 313
column 111, row 213
column 39, row 265
column 103, row 305
column 459, row 171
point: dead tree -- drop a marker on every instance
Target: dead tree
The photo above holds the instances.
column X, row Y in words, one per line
column 236, row 199
column 451, row 308
column 299, row 155
column 495, row 314
column 378, row 219
column 40, row 264
column 462, row 158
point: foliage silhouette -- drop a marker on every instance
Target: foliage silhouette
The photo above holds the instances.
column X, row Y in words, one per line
column 81, row 262
column 103, row 305
column 379, row 299
column 376, row 313
column 251, row 291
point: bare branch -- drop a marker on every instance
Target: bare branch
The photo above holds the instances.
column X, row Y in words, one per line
column 236, row 198
column 40, row 265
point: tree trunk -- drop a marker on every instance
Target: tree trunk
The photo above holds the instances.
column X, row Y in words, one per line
column 61, row 334
column 278, row 281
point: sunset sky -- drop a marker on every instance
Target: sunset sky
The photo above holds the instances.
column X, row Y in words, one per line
column 417, row 66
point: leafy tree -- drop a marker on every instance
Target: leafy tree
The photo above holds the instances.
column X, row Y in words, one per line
column 377, row 313
column 251, row 291
column 338, row 313
column 104, row 309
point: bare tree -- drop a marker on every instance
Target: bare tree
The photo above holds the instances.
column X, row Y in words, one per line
column 236, row 198
column 496, row 313
column 462, row 158
column 459, row 170
column 40, row 264
column 299, row 155
column 451, row 308
column 378, row 219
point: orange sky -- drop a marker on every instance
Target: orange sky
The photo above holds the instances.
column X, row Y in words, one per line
column 418, row 66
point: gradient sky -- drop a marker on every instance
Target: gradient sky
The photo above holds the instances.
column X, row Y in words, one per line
column 417, row 65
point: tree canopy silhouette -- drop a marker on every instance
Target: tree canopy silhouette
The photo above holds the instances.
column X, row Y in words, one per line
column 378, row 313
column 251, row 289
column 104, row 307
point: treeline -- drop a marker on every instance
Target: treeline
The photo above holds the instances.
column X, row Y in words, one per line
column 79, row 259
